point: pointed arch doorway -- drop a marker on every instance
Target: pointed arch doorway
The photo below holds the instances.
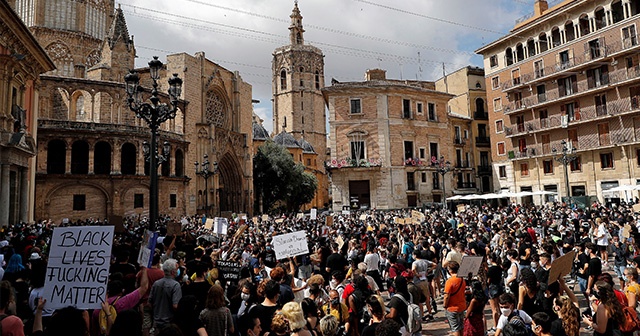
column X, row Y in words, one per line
column 229, row 190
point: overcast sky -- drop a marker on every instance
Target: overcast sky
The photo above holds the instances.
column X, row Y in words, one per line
column 411, row 39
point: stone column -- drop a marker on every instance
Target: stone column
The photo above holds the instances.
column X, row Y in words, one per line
column 116, row 156
column 24, row 194
column 4, row 194
column 67, row 164
column 92, row 148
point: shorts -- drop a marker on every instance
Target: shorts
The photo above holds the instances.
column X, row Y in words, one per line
column 494, row 291
column 602, row 248
column 424, row 287
column 456, row 320
column 620, row 272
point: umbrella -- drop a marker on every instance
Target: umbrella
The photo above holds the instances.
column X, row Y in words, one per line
column 544, row 192
column 623, row 188
column 453, row 198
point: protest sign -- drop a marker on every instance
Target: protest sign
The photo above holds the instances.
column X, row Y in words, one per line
column 229, row 270
column 118, row 223
column 313, row 214
column 265, row 218
column 290, row 244
column 208, row 224
column 340, row 242
column 241, row 230
column 300, row 215
column 469, row 264
column 184, row 221
column 220, row 225
column 279, row 220
column 242, row 216
column 398, row 220
column 461, row 208
column 78, row 268
column 346, row 212
column 328, row 221
column 626, row 231
column 382, row 226
column 174, row 229
column 363, row 217
column 636, row 208
column 417, row 216
column 147, row 248
column 561, row 267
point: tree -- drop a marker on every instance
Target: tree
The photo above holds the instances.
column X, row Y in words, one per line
column 279, row 181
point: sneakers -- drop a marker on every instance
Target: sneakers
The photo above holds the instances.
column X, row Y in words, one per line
column 427, row 318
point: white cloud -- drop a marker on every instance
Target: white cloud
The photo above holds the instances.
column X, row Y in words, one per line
column 265, row 114
column 229, row 47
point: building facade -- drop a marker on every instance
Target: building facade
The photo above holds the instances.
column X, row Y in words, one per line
column 473, row 145
column 566, row 78
column 384, row 134
column 91, row 147
column 22, row 60
column 298, row 105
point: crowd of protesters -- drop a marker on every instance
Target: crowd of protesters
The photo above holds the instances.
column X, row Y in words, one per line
column 367, row 274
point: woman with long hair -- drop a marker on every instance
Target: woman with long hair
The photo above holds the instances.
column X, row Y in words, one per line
column 569, row 314
column 310, row 311
column 528, row 292
column 474, row 319
column 632, row 290
column 608, row 310
column 376, row 309
column 357, row 301
column 216, row 316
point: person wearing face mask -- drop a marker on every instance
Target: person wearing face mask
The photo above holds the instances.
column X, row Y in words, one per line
column 337, row 282
column 337, row 309
column 507, row 305
column 244, row 300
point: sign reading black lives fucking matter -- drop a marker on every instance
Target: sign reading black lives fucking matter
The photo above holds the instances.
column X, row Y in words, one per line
column 78, row 268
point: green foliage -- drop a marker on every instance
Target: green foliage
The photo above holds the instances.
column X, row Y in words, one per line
column 279, row 181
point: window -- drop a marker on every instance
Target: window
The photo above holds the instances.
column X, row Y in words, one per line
column 356, row 106
column 576, row 164
column 173, row 200
column 138, row 201
column 524, row 169
column 501, row 150
column 419, row 108
column 431, row 107
column 547, row 166
column 595, row 49
column 466, row 134
column 79, row 202
column 638, row 156
column 436, row 180
column 538, row 69
column 495, row 82
column 567, row 86
column 433, row 150
column 422, row 153
column 357, row 150
column 564, row 59
column 406, row 109
column 493, row 61
column 515, row 76
column 571, row 111
column 423, row 177
column 499, row 126
column 411, row 183
column 629, row 36
column 497, row 104
column 603, row 134
column 308, row 162
column 606, row 160
column 317, row 79
column 283, row 79
column 502, row 171
column 408, row 150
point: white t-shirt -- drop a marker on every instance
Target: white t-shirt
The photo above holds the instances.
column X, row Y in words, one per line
column 373, row 261
column 603, row 234
column 504, row 319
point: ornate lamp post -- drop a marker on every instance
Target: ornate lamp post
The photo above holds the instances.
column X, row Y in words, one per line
column 154, row 113
column 566, row 158
column 443, row 167
column 203, row 171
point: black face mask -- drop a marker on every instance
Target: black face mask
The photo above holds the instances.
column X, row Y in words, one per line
column 335, row 302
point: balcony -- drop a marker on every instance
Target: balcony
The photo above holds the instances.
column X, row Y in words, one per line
column 466, row 185
column 91, row 127
column 462, row 164
column 480, row 115
column 484, row 170
column 352, row 163
column 458, row 141
column 483, row 141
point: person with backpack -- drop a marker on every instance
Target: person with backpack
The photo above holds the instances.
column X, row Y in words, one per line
column 357, row 302
column 400, row 307
column 510, row 315
column 454, row 299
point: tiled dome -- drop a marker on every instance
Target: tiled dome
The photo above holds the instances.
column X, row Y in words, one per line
column 286, row 139
column 306, row 146
column 259, row 132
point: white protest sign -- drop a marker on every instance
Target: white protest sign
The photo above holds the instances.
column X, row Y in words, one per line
column 290, row 244
column 145, row 257
column 78, row 267
column 220, row 225
column 313, row 215
column 469, row 264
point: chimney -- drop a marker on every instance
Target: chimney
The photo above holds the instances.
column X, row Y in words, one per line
column 375, row 74
column 540, row 7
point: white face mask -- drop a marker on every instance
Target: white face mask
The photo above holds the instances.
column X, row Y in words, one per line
column 506, row 311
column 245, row 296
column 334, row 283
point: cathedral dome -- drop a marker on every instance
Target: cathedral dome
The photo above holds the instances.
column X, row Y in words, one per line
column 259, row 132
column 286, row 139
column 306, row 146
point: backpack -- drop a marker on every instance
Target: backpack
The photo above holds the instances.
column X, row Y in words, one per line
column 102, row 317
column 414, row 322
column 632, row 322
column 516, row 319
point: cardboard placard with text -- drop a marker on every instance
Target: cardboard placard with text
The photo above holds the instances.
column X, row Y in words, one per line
column 290, row 244
column 328, row 220
column 561, row 267
column 174, row 228
column 470, row 264
column 636, row 208
column 461, row 208
column 417, row 216
column 340, row 242
column 208, row 224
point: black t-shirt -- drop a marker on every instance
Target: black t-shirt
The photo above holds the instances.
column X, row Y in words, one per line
column 522, row 251
column 557, row 329
column 595, row 267
column 270, row 258
column 370, row 330
column 582, row 259
column 336, row 262
column 199, row 290
column 542, row 275
column 494, row 275
column 402, row 315
column 265, row 314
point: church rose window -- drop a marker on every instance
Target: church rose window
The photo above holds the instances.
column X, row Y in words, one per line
column 214, row 112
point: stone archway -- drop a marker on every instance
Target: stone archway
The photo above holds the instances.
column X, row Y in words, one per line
column 230, row 188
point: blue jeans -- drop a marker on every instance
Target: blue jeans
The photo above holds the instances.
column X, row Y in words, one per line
column 620, row 272
column 583, row 284
column 521, row 267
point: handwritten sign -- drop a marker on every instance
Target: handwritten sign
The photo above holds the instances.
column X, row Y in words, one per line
column 290, row 244
column 636, row 208
column 147, row 249
column 461, row 208
column 313, row 214
column 241, row 230
column 470, row 264
column 626, row 231
column 265, row 218
column 230, row 270
column 220, row 225
column 279, row 220
column 328, row 221
column 174, row 228
column 398, row 220
column 417, row 216
column 208, row 224
column 340, row 242
column 300, row 215
column 78, row 268
column 561, row 267
column 363, row 217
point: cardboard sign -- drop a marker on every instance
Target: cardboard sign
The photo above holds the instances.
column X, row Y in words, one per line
column 300, row 215
column 398, row 220
column 328, row 221
column 469, row 264
column 636, row 208
column 265, row 218
column 363, row 217
column 230, row 270
column 290, row 244
column 117, row 222
column 241, row 230
column 78, row 268
column 254, row 220
column 417, row 216
column 208, row 224
column 626, row 231
column 279, row 220
column 242, row 216
column 461, row 208
column 174, row 228
column 340, row 242
column 313, row 214
column 382, row 226
column 561, row 267
column 147, row 249
column 220, row 225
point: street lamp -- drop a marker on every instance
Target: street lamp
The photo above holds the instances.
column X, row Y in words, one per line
column 566, row 158
column 154, row 113
column 443, row 167
column 203, row 171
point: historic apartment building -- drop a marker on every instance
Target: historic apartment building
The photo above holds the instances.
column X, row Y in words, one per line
column 566, row 78
column 384, row 134
column 298, row 105
column 22, row 60
column 471, row 139
column 91, row 162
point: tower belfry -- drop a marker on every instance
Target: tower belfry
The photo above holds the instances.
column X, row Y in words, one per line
column 296, row 32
